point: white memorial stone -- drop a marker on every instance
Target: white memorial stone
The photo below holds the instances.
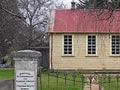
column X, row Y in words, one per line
column 26, row 69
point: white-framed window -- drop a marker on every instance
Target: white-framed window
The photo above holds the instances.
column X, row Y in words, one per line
column 68, row 45
column 91, row 45
column 115, row 45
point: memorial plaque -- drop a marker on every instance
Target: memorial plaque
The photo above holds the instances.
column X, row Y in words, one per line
column 25, row 80
column 26, row 62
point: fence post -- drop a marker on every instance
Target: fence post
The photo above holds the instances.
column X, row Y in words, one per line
column 90, row 78
column 117, row 77
column 48, row 80
column 100, row 82
column 109, row 81
column 65, row 75
column 57, row 80
column 74, row 77
column 82, row 78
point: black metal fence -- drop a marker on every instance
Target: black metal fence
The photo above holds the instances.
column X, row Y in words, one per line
column 78, row 81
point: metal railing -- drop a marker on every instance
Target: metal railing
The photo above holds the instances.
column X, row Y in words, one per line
column 78, row 81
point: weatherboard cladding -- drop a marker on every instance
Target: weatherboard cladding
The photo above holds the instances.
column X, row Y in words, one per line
column 86, row 21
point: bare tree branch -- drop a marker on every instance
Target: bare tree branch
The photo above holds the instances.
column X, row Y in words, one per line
column 11, row 13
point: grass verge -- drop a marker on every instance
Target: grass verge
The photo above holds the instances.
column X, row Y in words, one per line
column 6, row 73
column 52, row 82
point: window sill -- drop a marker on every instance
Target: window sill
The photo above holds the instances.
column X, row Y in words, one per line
column 115, row 55
column 91, row 55
column 67, row 55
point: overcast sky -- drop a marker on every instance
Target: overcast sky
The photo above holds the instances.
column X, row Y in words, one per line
column 68, row 2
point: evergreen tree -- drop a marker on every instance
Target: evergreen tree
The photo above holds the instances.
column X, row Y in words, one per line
column 99, row 4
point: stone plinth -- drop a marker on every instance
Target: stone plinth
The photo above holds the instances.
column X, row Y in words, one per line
column 26, row 69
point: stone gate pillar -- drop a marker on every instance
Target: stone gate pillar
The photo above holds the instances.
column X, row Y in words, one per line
column 26, row 69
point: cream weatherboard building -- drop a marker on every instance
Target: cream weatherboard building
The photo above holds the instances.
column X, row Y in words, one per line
column 80, row 40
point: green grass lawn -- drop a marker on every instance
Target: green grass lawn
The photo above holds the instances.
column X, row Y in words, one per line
column 110, row 83
column 54, row 83
column 6, row 74
column 51, row 82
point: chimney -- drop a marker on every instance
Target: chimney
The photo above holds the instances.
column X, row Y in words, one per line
column 73, row 5
column 92, row 3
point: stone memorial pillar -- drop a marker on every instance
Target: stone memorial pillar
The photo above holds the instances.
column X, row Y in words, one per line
column 26, row 69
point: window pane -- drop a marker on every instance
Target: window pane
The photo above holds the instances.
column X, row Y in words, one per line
column 93, row 52
column 115, row 44
column 67, row 44
column 89, row 52
column 92, row 44
column 70, row 42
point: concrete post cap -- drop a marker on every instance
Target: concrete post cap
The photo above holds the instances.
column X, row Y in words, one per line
column 26, row 54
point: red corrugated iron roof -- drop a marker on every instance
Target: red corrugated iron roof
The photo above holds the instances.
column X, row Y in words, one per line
column 86, row 21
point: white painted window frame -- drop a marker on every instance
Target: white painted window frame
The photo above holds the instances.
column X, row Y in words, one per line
column 87, row 45
column 111, row 45
column 63, row 45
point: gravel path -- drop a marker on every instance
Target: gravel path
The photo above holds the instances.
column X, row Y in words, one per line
column 94, row 84
column 6, row 84
column 93, row 87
